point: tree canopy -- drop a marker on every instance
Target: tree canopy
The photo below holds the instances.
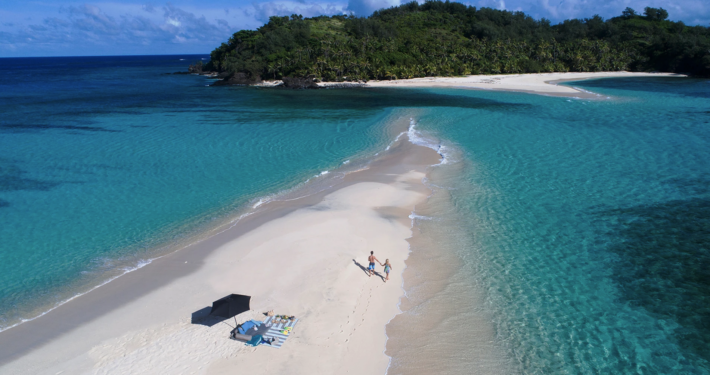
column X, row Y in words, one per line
column 449, row 38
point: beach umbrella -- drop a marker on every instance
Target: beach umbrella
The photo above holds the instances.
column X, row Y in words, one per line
column 229, row 306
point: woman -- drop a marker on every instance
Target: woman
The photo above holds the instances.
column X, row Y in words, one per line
column 388, row 268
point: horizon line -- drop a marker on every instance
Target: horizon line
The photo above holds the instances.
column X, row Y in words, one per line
column 127, row 55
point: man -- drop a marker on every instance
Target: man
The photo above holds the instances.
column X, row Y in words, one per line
column 372, row 260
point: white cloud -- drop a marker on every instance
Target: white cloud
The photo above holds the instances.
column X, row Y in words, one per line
column 690, row 11
column 89, row 27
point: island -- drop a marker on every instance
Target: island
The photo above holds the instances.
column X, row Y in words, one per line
column 448, row 39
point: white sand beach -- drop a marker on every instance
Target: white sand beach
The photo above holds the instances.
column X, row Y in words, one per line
column 538, row 83
column 302, row 258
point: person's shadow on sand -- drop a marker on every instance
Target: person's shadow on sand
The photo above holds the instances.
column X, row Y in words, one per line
column 367, row 272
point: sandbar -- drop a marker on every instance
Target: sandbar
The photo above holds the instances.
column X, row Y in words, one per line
column 304, row 257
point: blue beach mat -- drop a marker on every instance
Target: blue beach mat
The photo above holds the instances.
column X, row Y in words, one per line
column 246, row 326
column 275, row 331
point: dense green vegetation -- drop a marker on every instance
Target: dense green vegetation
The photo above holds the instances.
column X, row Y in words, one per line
column 447, row 38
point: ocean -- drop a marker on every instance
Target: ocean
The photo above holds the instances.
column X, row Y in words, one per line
column 563, row 235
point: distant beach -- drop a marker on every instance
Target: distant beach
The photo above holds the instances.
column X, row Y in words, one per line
column 536, row 83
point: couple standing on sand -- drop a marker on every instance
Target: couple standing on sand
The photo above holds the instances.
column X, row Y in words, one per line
column 371, row 267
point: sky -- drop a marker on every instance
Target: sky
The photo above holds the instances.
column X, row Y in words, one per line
column 145, row 27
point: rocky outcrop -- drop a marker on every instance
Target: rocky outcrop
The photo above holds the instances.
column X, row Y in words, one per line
column 299, row 82
column 195, row 68
column 238, row 79
column 243, row 79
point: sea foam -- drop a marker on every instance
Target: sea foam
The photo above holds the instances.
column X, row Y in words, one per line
column 417, row 138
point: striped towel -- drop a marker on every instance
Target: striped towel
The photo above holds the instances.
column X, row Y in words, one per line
column 275, row 331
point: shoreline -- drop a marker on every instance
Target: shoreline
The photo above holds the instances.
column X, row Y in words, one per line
column 66, row 323
column 531, row 83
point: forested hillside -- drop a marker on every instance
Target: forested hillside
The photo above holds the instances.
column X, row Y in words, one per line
column 447, row 39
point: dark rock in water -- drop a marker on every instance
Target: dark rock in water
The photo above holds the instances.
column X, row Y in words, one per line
column 238, row 79
column 195, row 68
column 299, row 82
column 180, row 73
column 344, row 85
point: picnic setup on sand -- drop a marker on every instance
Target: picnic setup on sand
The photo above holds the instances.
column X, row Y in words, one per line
column 273, row 331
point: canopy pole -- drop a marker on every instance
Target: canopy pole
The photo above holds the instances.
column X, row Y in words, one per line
column 235, row 321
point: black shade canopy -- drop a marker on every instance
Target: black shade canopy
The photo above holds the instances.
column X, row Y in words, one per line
column 231, row 305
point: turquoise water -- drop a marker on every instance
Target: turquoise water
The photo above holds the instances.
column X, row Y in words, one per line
column 584, row 225
column 104, row 159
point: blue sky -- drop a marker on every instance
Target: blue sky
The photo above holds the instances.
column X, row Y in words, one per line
column 130, row 27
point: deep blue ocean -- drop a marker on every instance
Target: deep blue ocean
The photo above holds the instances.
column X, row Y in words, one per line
column 584, row 223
